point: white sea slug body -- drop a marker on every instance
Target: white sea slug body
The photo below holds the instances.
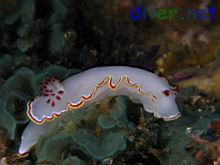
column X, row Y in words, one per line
column 94, row 84
column 30, row 136
column 91, row 86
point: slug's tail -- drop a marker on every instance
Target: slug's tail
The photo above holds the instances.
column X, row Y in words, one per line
column 53, row 89
column 51, row 104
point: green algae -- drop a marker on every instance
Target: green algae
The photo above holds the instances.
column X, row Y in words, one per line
column 177, row 135
column 16, row 89
column 81, row 124
column 100, row 148
column 73, row 160
column 60, row 144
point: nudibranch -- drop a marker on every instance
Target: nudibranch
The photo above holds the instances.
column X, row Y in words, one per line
column 92, row 85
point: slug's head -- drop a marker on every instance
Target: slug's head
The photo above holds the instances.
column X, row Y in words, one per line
column 50, row 104
column 166, row 105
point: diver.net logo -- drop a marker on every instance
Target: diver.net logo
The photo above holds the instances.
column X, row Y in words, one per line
column 140, row 12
